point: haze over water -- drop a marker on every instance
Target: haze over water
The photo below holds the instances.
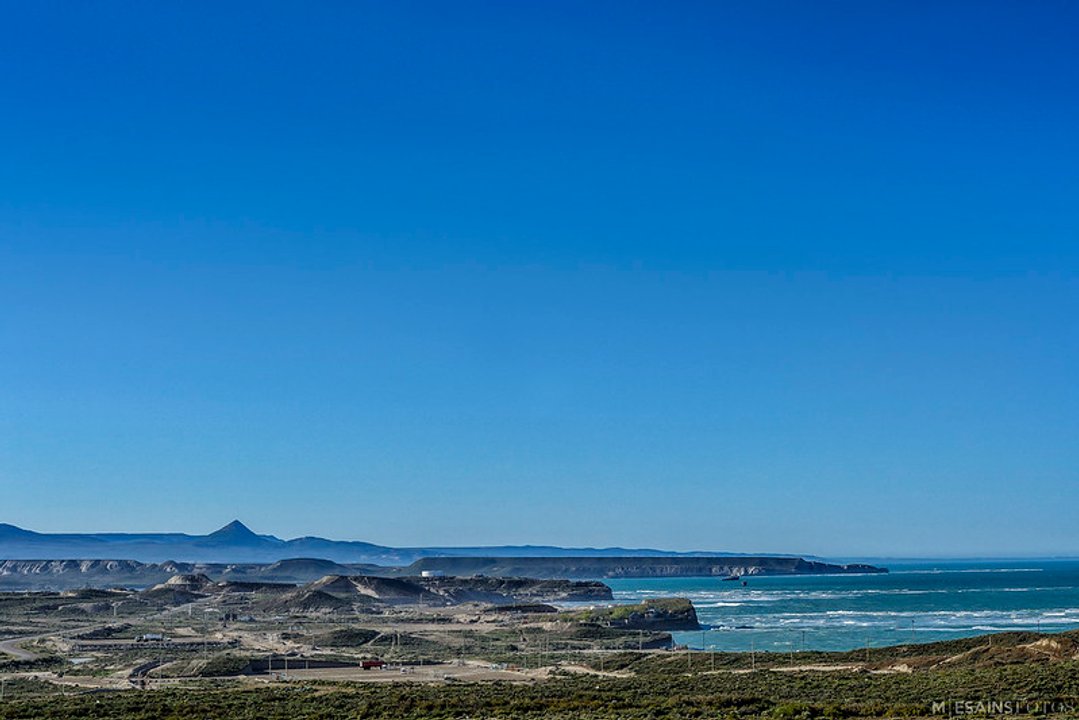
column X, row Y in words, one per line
column 919, row 602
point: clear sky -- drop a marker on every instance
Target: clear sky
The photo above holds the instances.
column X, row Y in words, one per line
column 760, row 276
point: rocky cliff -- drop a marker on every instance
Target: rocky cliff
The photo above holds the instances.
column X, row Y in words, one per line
column 64, row 574
column 654, row 614
column 631, row 567
column 457, row 590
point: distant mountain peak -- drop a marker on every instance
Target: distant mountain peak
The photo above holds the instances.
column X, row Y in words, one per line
column 235, row 530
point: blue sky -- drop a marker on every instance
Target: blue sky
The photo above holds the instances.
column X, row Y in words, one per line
column 787, row 277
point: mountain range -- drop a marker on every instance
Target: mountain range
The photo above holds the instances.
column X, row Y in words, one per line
column 236, row 543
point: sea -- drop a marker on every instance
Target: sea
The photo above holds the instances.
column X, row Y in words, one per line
column 915, row 602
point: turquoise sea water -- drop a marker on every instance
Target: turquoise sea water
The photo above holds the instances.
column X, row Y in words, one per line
column 919, row 602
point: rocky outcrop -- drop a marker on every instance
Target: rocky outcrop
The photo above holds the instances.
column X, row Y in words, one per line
column 306, row 600
column 66, row 574
column 194, row 582
column 500, row 590
column 457, row 590
column 654, row 614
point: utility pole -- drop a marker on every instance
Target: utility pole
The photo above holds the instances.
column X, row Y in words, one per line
column 803, row 641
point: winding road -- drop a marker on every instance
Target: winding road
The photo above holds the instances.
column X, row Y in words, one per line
column 11, row 646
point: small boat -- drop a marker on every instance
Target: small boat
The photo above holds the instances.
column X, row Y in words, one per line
column 732, row 577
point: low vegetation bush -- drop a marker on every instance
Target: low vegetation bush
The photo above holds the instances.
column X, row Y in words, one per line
column 768, row 695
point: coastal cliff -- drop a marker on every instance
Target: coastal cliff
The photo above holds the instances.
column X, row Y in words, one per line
column 631, row 567
column 653, row 614
column 64, row 574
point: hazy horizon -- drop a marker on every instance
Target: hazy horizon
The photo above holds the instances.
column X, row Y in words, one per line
column 793, row 552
